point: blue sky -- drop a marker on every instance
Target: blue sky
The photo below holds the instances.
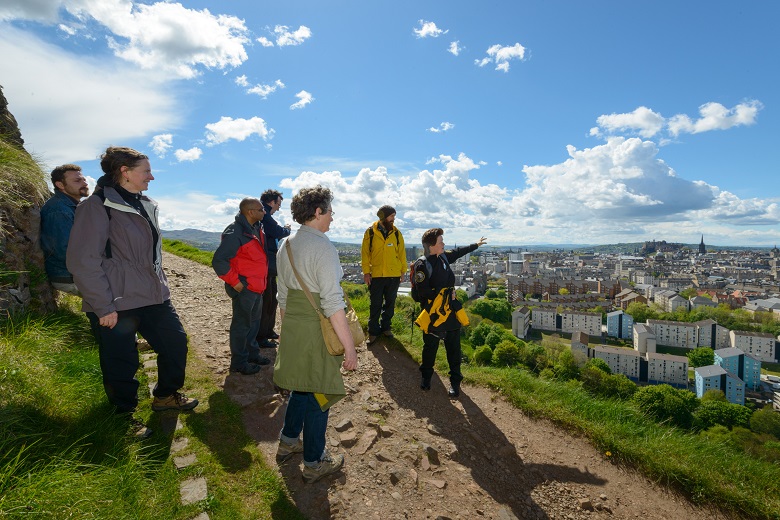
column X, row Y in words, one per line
column 526, row 122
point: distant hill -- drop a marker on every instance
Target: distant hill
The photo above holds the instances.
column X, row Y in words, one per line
column 205, row 240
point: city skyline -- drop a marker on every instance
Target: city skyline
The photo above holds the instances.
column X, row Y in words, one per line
column 528, row 123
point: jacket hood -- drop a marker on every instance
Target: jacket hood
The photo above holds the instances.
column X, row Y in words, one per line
column 106, row 180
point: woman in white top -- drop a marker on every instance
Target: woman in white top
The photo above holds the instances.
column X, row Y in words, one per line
column 303, row 364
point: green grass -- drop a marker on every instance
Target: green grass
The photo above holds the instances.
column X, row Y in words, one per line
column 185, row 250
column 64, row 454
column 21, row 178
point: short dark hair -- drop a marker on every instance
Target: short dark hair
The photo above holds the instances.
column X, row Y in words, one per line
column 58, row 173
column 115, row 157
column 305, row 203
column 430, row 237
column 270, row 195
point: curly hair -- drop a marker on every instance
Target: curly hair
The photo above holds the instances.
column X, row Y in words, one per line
column 430, row 237
column 270, row 196
column 305, row 203
column 115, row 157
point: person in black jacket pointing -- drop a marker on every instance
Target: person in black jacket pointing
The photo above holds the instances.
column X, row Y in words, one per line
column 442, row 315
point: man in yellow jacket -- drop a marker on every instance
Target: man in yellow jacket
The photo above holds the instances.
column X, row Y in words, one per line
column 384, row 263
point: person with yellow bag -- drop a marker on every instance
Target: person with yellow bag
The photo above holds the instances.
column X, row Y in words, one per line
column 442, row 314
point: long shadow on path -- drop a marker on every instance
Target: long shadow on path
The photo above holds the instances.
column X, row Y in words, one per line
column 495, row 465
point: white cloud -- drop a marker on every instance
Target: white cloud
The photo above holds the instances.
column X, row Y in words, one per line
column 501, row 56
column 499, row 163
column 304, row 98
column 647, row 123
column 264, row 90
column 34, row 10
column 715, row 116
column 160, row 144
column 455, row 48
column 193, row 154
column 443, row 127
column 168, row 37
column 265, row 42
column 428, row 29
column 285, row 37
column 642, row 120
column 239, row 129
column 70, row 31
column 241, row 81
column 47, row 112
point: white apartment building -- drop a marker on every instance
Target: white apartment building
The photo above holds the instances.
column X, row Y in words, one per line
column 706, row 329
column 588, row 322
column 674, row 333
column 521, row 321
column 544, row 319
column 760, row 345
column 644, row 338
column 620, row 360
column 666, row 368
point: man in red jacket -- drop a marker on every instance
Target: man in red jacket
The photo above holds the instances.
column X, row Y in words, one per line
column 241, row 261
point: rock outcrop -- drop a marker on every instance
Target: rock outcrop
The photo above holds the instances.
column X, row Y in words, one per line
column 23, row 190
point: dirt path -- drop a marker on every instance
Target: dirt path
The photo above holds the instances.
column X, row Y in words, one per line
column 411, row 454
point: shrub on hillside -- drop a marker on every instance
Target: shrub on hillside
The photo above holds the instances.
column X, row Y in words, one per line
column 598, row 364
column 497, row 310
column 566, row 368
column 713, row 394
column 483, row 356
column 506, row 354
column 701, row 357
column 493, row 339
column 710, row 413
column 666, row 404
column 534, row 357
column 766, row 421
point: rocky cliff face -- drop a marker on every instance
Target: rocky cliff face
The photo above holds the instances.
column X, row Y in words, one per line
column 23, row 282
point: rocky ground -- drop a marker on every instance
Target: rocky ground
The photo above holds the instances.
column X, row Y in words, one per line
column 414, row 454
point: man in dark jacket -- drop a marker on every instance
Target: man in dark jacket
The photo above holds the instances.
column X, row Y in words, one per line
column 57, row 217
column 272, row 201
column 435, row 282
column 241, row 261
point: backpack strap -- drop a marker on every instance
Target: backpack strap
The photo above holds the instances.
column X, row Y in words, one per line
column 102, row 196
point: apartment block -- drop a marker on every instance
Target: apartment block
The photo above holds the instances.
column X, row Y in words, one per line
column 544, row 319
column 760, row 345
column 714, row 377
column 579, row 347
column 674, row 333
column 588, row 322
column 620, row 360
column 666, row 368
column 521, row 322
column 620, row 325
column 712, row 335
column 742, row 365
column 644, row 338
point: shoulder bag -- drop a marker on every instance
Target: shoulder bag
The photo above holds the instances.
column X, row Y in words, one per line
column 332, row 341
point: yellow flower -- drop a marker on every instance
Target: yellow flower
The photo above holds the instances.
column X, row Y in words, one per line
column 608, row 454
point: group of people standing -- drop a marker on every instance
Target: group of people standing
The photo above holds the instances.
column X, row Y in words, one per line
column 111, row 256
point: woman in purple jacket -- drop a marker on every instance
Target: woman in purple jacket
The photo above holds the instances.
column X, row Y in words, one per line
column 115, row 256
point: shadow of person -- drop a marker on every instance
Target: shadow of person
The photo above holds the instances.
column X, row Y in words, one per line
column 495, row 466
column 217, row 428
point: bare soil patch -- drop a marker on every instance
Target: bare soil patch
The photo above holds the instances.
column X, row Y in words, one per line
column 415, row 454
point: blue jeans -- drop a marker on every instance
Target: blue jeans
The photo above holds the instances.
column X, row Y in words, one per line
column 247, row 306
column 304, row 413
column 383, row 292
column 160, row 326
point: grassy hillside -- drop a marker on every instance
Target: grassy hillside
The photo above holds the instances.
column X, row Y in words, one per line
column 64, row 454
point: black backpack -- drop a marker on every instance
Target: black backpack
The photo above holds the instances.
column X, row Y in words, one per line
column 419, row 275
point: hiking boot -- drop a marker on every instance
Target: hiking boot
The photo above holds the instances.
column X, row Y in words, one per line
column 273, row 335
column 425, row 383
column 371, row 340
column 248, row 369
column 454, row 390
column 259, row 360
column 388, row 333
column 285, row 451
column 142, row 345
column 327, row 466
column 175, row 401
column 268, row 343
column 138, row 430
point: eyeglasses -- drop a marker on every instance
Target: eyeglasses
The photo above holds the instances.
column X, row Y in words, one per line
column 331, row 212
